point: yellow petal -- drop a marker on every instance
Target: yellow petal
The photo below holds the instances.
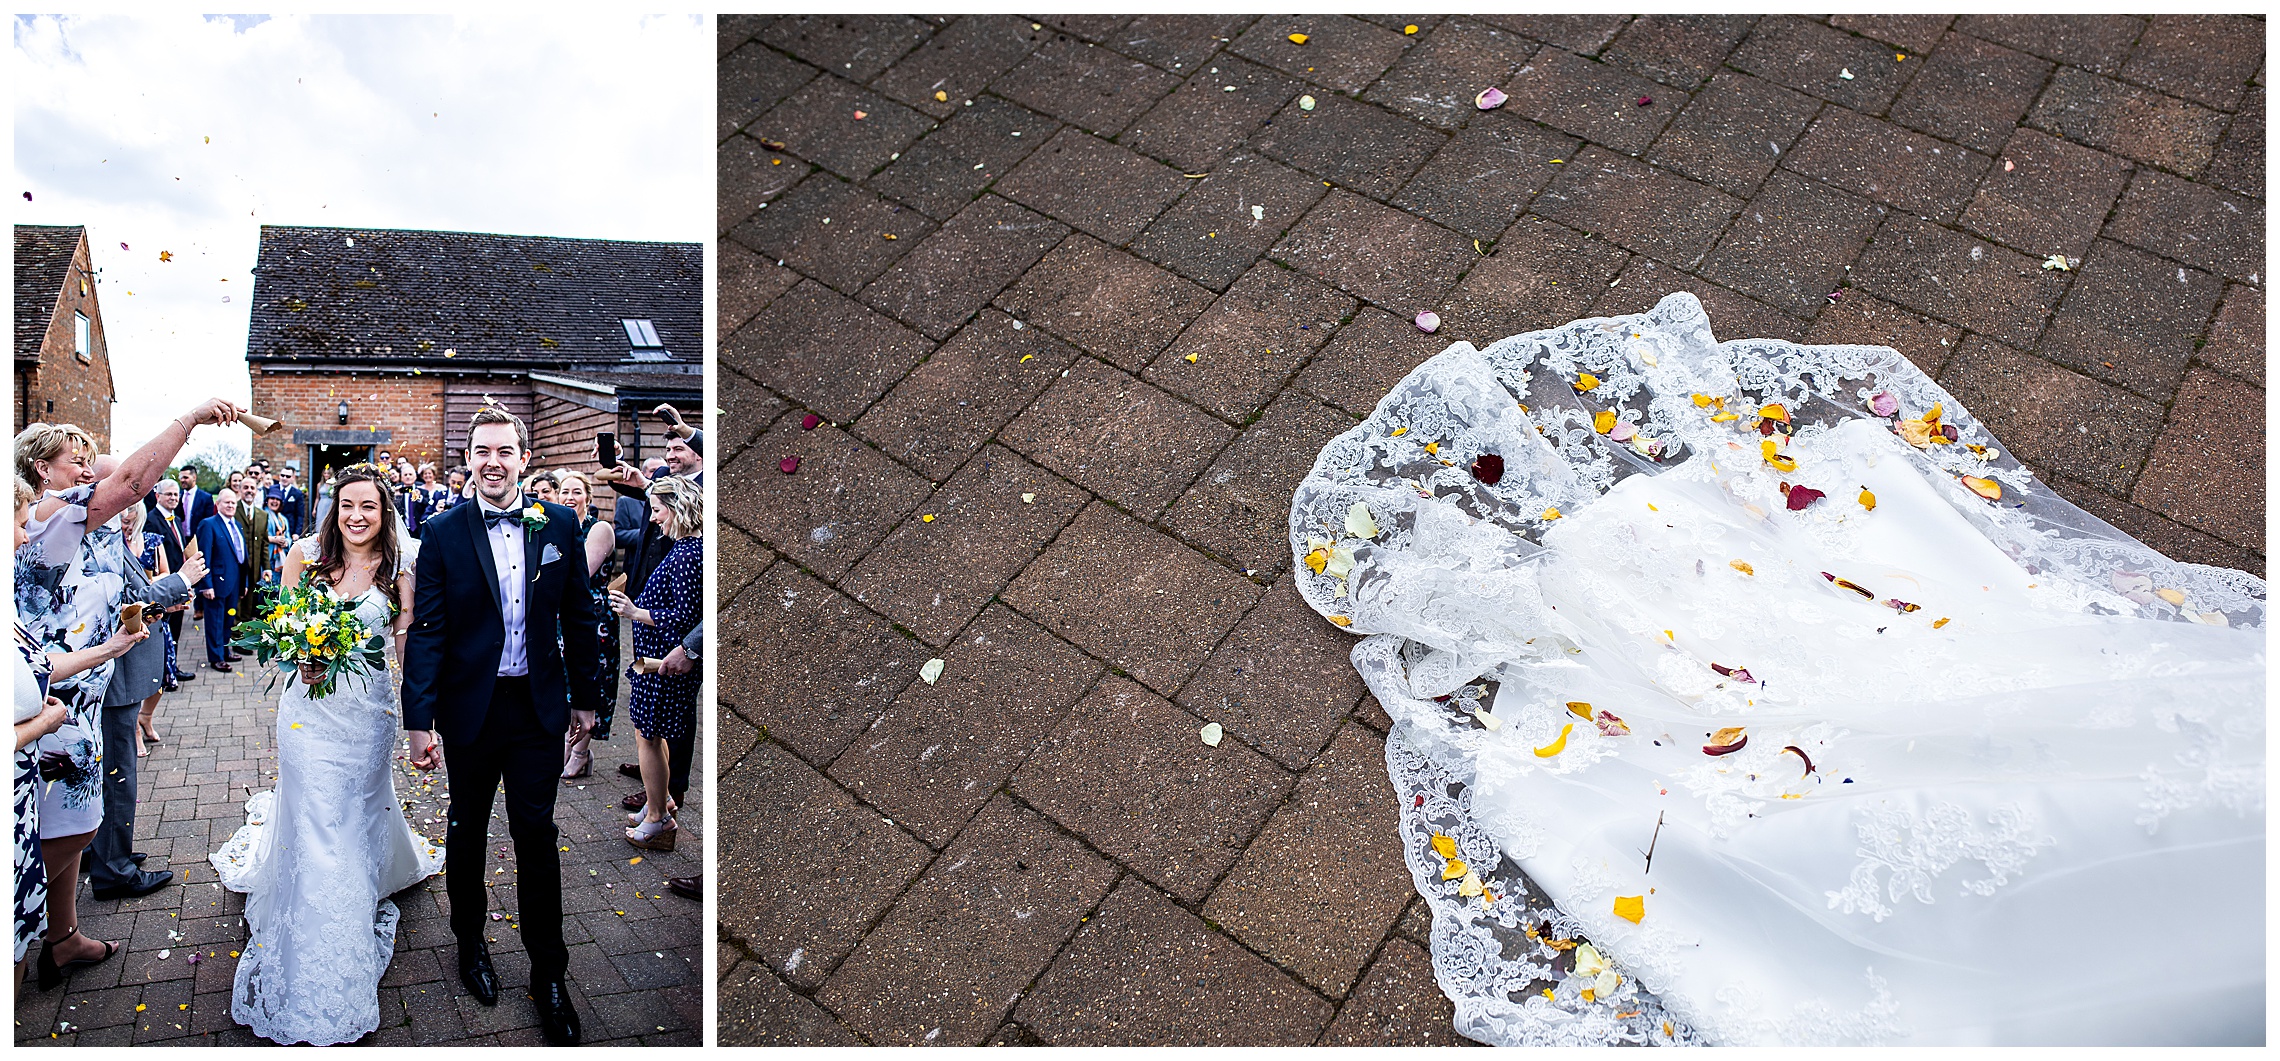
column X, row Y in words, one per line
column 1550, row 514
column 1702, row 401
column 1631, row 907
column 1432, row 449
column 1987, row 488
column 1317, row 559
column 1774, row 411
column 1915, row 433
column 1604, row 422
column 1939, row 622
column 1579, row 709
column 1558, row 745
column 1340, row 620
column 2170, row 595
column 1742, row 566
column 1587, row 382
column 1446, row 846
column 1471, row 885
column 1398, row 432
column 1456, row 868
column 1298, row 38
column 1933, row 416
column 1720, row 418
column 1868, row 500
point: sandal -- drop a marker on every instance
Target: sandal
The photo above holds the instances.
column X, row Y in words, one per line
column 659, row 835
column 52, row 974
column 671, row 808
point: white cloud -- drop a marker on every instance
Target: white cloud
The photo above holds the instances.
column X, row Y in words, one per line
column 185, row 134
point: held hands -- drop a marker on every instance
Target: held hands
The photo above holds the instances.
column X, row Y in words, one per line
column 426, row 753
column 676, row 662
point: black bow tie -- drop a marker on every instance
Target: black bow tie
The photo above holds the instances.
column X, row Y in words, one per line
column 492, row 516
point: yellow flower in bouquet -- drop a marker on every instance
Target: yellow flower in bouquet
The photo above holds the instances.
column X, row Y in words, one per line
column 307, row 627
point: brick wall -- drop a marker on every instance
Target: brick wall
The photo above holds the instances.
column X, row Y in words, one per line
column 63, row 388
column 409, row 406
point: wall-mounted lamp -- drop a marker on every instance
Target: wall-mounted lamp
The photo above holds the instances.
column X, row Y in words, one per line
column 343, row 411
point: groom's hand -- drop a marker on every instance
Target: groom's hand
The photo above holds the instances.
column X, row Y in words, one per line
column 426, row 754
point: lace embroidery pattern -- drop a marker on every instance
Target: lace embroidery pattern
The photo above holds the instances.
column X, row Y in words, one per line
column 1915, row 851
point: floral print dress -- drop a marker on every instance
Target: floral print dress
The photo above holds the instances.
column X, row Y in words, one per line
column 66, row 607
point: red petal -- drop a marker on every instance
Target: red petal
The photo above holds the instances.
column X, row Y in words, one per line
column 810, row 422
column 1801, row 496
column 789, row 465
column 1488, row 468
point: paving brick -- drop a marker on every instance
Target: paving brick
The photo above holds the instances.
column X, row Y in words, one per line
column 2132, row 319
column 948, row 962
column 1118, row 437
column 1637, row 206
column 2166, row 536
column 751, row 80
column 2208, row 59
column 2093, row 42
column 818, row 124
column 1281, row 681
column 1597, row 102
column 1340, row 53
column 1093, row 185
column 1868, row 320
column 734, row 30
column 1957, row 279
column 1179, row 43
column 841, row 501
column 989, row 521
column 1399, row 1003
column 750, row 176
column 943, row 173
column 1914, row 33
column 1585, row 34
column 746, row 409
column 1146, row 971
column 1486, row 174
column 748, row 282
column 2236, row 337
column 1249, row 342
column 1542, row 275
column 1438, row 80
column 1811, row 58
column 1375, row 252
column 935, row 756
column 1403, row 23
column 1089, row 87
column 1109, row 303
column 1211, row 236
column 1372, row 714
column 2046, row 196
column 1793, row 243
column 1678, row 50
column 855, row 47
column 2054, row 418
column 1351, row 144
column 1971, row 92
column 2239, row 161
column 1095, row 28
column 810, row 867
column 1366, row 358
column 1202, row 120
column 1240, row 508
column 2212, row 450
column 1734, row 131
column 1133, row 597
column 2193, row 223
column 1732, row 315
column 958, row 62
column 834, row 232
column 956, row 271
column 1888, row 164
column 1325, row 880
column 824, row 350
column 813, row 701
column 2129, row 121
column 944, row 410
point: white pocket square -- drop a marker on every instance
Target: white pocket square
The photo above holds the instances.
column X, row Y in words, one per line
column 549, row 555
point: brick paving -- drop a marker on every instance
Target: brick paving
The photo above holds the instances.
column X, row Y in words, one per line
column 636, row 950
column 1077, row 299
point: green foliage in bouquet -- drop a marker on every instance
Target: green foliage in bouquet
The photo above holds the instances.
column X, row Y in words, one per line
column 308, row 625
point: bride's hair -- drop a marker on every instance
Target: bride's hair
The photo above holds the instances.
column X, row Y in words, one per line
column 332, row 546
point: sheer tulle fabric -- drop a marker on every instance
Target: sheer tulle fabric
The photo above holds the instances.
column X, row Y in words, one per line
column 2034, row 737
column 317, row 859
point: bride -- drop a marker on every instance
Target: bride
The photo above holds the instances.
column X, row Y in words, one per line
column 1752, row 693
column 319, row 855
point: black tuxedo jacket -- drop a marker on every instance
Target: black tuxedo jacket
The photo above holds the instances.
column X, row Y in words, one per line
column 451, row 653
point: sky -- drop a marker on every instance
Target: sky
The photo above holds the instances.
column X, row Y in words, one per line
column 182, row 134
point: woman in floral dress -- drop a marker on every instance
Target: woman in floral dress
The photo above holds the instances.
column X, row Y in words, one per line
column 600, row 537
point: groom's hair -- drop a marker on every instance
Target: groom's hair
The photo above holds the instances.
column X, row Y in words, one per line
column 492, row 414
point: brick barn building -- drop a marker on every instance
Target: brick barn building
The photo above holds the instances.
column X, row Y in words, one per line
column 63, row 368
column 365, row 340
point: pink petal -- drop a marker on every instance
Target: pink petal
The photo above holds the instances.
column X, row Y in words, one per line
column 789, row 465
column 1646, row 101
column 1428, row 321
column 1882, row 403
column 1624, row 431
column 810, row 422
column 1489, row 99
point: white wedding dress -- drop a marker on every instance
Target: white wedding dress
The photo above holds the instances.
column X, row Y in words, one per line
column 318, row 857
column 2009, row 790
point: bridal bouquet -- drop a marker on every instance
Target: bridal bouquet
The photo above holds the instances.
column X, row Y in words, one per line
column 306, row 628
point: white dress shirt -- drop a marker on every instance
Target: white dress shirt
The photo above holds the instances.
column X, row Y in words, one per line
column 507, row 550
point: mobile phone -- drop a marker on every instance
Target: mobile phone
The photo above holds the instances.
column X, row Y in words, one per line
column 605, row 448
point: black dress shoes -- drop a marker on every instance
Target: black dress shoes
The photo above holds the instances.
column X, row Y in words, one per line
column 632, row 770
column 219, row 666
column 475, row 971
column 186, row 676
column 143, row 883
column 556, row 1020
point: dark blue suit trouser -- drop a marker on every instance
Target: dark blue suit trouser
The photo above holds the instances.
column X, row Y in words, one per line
column 221, row 625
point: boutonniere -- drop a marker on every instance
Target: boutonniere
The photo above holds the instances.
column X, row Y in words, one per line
column 534, row 517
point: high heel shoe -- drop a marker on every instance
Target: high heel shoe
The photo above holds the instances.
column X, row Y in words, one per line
column 577, row 759
column 52, row 974
column 659, row 835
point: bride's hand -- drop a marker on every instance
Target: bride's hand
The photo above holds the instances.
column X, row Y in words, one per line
column 426, row 753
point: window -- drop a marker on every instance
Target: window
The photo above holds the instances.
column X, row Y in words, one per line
column 642, row 334
column 79, row 337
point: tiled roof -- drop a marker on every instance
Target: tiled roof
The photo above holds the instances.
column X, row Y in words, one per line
column 43, row 260
column 406, row 295
column 631, row 382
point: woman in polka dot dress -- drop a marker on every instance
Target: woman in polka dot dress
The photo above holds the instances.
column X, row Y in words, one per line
column 664, row 706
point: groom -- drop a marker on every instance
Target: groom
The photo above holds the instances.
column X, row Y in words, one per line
column 501, row 616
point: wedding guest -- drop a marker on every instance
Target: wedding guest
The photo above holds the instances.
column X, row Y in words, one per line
column 37, row 715
column 159, row 563
column 264, row 537
column 222, row 539
column 576, row 494
column 684, row 457
column 664, row 707
column 196, row 503
column 291, row 500
column 133, row 692
column 67, row 591
column 175, row 537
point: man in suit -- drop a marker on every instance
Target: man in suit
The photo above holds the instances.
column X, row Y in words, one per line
column 175, row 535
column 263, row 536
column 684, row 457
column 222, row 539
column 196, row 504
column 501, row 617
column 291, row 500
